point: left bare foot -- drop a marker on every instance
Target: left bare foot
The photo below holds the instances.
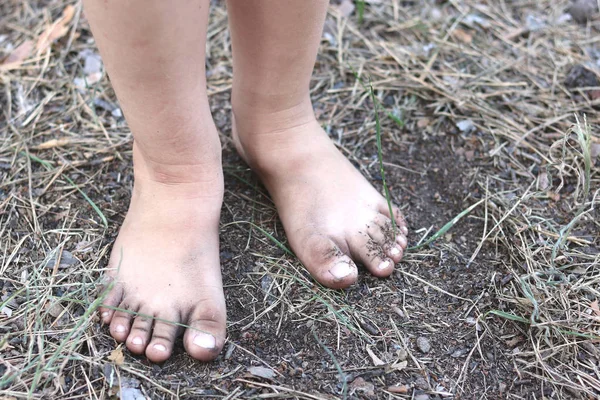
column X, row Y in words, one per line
column 331, row 214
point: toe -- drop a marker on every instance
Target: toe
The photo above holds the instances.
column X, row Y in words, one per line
column 140, row 333
column 398, row 217
column 205, row 337
column 120, row 324
column 371, row 254
column 381, row 233
column 111, row 295
column 163, row 338
column 325, row 261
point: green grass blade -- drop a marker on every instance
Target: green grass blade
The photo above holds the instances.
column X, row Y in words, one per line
column 388, row 197
column 448, row 226
column 360, row 9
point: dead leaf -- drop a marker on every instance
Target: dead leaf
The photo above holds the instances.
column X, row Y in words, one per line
column 360, row 385
column 16, row 58
column 117, row 356
column 423, row 123
column 398, row 366
column 57, row 30
column 594, row 306
column 401, row 389
column 462, row 36
column 262, row 372
column 514, row 341
column 52, row 143
column 376, row 360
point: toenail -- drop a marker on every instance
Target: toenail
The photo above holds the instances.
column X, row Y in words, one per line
column 105, row 314
column 205, row 340
column 395, row 251
column 384, row 265
column 120, row 328
column 160, row 347
column 341, row 270
column 137, row 340
column 404, row 230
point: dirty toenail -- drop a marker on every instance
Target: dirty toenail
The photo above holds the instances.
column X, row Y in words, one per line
column 137, row 341
column 404, row 230
column 205, row 340
column 160, row 347
column 395, row 251
column 120, row 328
column 341, row 270
column 384, row 265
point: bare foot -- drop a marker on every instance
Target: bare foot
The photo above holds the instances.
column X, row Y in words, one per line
column 331, row 213
column 169, row 273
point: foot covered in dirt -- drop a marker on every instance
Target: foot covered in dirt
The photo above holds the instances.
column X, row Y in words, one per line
column 164, row 269
column 333, row 217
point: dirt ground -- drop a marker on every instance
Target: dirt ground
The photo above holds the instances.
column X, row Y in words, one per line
column 488, row 113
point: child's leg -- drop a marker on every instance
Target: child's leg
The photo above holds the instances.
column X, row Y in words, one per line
column 330, row 212
column 167, row 251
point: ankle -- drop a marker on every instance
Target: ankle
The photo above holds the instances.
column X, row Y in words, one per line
column 264, row 117
column 198, row 177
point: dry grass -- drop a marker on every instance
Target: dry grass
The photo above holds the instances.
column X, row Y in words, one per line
column 493, row 81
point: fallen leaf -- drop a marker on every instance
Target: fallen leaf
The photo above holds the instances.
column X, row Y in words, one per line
column 52, row 143
column 423, row 122
column 401, row 389
column 117, row 356
column 594, row 306
column 462, row 36
column 6, row 311
column 57, row 30
column 360, row 385
column 376, row 360
column 16, row 58
column 262, row 372
column 398, row 366
column 543, row 181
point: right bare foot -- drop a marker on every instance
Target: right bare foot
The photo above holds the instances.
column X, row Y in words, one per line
column 165, row 262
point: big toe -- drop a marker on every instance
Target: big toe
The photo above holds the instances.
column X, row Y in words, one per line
column 326, row 262
column 205, row 336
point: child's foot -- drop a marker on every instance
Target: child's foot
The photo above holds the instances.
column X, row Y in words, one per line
column 331, row 213
column 165, row 262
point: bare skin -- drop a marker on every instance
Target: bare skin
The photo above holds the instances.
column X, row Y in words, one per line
column 164, row 268
column 332, row 215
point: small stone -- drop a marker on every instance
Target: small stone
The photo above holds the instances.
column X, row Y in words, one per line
column 66, row 260
column 465, row 125
column 402, row 354
column 583, row 10
column 422, row 396
column 421, row 383
column 423, row 344
column 262, row 372
column 580, row 76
